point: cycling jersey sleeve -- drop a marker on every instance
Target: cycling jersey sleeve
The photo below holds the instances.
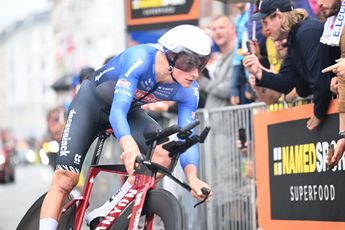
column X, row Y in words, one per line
column 133, row 66
column 186, row 115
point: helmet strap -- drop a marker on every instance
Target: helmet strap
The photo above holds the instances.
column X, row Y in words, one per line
column 171, row 66
column 172, row 76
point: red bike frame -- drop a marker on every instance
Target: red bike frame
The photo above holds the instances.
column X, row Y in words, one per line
column 138, row 192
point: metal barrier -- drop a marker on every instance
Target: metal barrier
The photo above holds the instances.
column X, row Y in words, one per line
column 229, row 169
column 228, row 166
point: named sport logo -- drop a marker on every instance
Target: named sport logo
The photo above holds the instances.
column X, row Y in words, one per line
column 303, row 158
column 302, row 187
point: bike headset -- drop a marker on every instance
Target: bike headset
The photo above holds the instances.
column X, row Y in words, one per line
column 186, row 47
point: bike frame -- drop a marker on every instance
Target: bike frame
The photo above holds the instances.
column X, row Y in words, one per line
column 144, row 181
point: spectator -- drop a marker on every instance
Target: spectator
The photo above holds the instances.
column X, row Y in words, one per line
column 272, row 56
column 108, row 59
column 307, row 5
column 304, row 61
column 239, row 87
column 83, row 74
column 207, row 73
column 215, row 52
column 217, row 89
column 276, row 51
column 333, row 35
column 316, row 10
column 257, row 35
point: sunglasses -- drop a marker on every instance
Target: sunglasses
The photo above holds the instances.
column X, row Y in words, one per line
column 187, row 61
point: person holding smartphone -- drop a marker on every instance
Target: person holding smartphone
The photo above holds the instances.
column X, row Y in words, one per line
column 306, row 57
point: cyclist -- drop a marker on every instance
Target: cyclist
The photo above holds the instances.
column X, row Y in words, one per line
column 113, row 96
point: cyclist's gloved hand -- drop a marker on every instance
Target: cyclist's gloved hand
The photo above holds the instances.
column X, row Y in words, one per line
column 128, row 159
column 130, row 152
column 196, row 185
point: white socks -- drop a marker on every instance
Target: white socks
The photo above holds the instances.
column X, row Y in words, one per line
column 109, row 205
column 48, row 224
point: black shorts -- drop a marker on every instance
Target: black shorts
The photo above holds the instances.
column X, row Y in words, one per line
column 87, row 116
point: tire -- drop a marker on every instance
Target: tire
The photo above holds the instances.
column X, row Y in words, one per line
column 31, row 218
column 163, row 205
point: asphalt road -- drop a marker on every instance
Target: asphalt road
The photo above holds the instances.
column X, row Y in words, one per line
column 16, row 198
column 31, row 182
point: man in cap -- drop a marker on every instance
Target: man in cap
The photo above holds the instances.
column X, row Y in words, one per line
column 306, row 57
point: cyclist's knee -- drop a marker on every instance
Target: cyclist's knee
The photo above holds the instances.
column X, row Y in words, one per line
column 64, row 181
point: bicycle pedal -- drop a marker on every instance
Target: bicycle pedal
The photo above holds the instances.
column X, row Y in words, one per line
column 95, row 222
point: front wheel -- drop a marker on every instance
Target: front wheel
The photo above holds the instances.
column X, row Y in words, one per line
column 31, row 218
column 162, row 205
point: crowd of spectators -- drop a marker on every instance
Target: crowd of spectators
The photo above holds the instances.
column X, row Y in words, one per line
column 226, row 82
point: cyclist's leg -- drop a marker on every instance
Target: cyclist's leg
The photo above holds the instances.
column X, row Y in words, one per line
column 139, row 122
column 79, row 133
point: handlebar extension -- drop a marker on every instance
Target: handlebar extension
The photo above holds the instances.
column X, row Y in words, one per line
column 186, row 131
column 204, row 134
column 162, row 135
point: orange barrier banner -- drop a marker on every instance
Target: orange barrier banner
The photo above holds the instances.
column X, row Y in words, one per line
column 295, row 189
column 143, row 14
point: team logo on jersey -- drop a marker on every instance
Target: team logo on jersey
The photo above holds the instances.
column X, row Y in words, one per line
column 77, row 158
column 103, row 72
column 64, row 151
column 148, row 99
column 147, row 83
column 123, row 83
column 196, row 92
column 133, row 67
column 123, row 91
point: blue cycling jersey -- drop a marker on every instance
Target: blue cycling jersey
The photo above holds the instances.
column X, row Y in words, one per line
column 133, row 72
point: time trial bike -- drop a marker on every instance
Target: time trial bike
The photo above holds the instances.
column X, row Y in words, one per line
column 143, row 207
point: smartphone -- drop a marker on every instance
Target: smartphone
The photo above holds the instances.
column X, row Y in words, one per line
column 242, row 137
column 249, row 47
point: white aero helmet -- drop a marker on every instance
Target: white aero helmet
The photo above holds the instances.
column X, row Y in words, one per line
column 186, row 47
column 186, row 38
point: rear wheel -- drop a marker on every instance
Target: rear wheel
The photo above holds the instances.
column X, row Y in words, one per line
column 162, row 205
column 31, row 219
